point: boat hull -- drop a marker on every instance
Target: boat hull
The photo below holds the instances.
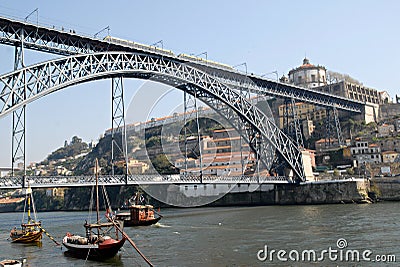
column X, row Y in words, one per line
column 28, row 237
column 128, row 223
column 102, row 251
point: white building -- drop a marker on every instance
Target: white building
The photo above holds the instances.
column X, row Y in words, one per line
column 308, row 75
column 363, row 153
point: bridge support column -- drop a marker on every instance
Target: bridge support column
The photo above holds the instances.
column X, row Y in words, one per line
column 332, row 124
column 190, row 105
column 291, row 122
column 118, row 124
column 18, row 121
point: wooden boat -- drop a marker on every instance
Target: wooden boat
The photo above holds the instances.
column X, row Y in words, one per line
column 31, row 231
column 96, row 244
column 139, row 214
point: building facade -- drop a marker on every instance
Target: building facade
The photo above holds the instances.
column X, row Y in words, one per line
column 308, row 75
column 390, row 157
column 390, row 144
column 385, row 130
column 362, row 153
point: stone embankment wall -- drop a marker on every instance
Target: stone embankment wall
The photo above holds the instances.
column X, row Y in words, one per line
column 324, row 192
column 386, row 188
column 321, row 192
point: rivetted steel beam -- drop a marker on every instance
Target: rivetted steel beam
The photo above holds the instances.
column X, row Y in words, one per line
column 79, row 181
column 68, row 43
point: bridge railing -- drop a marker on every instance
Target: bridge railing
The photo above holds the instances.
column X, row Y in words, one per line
column 89, row 180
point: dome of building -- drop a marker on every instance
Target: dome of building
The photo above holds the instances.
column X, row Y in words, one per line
column 308, row 75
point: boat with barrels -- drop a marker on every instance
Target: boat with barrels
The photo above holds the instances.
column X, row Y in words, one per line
column 31, row 230
column 96, row 244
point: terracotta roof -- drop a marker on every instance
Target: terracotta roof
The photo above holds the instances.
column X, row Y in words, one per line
column 321, row 141
column 304, row 66
column 389, row 152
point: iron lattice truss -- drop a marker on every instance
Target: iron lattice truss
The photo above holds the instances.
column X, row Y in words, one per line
column 44, row 39
column 25, row 85
column 71, row 181
column 51, row 40
column 262, row 86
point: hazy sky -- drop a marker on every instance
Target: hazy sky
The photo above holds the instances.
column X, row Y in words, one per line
column 359, row 38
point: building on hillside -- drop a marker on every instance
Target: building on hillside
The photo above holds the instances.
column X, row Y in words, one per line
column 353, row 91
column 137, row 167
column 390, row 144
column 384, row 97
column 312, row 157
column 385, row 130
column 61, row 170
column 323, row 145
column 390, row 157
column 308, row 75
column 363, row 152
column 359, row 92
column 388, row 111
column 308, row 128
column 304, row 111
column 182, row 164
column 222, row 156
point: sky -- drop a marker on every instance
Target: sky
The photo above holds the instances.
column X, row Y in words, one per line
column 357, row 37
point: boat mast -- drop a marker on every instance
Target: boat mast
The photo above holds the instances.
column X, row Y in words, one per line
column 97, row 189
column 29, row 192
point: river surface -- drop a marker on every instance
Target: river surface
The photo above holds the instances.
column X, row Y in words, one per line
column 231, row 236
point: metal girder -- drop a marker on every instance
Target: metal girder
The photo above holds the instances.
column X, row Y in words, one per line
column 190, row 106
column 13, row 32
column 18, row 120
column 68, row 43
column 42, row 79
column 262, row 86
column 263, row 150
column 72, row 181
column 291, row 123
column 332, row 124
column 118, row 121
column 338, row 128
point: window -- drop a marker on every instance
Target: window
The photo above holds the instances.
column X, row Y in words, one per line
column 313, row 77
column 299, row 79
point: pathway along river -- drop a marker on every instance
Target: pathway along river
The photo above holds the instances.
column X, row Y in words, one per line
column 231, row 236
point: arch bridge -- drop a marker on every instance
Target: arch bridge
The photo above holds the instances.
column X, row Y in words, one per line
column 88, row 59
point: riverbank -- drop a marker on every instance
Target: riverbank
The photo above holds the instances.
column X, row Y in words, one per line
column 321, row 192
column 386, row 188
column 318, row 192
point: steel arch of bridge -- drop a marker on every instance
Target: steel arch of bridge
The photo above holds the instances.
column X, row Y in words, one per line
column 25, row 85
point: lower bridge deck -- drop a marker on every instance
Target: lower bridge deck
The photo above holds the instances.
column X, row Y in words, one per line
column 79, row 181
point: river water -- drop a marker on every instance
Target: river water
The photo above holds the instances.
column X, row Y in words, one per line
column 232, row 236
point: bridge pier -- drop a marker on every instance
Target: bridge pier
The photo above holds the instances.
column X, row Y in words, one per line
column 118, row 125
column 18, row 129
